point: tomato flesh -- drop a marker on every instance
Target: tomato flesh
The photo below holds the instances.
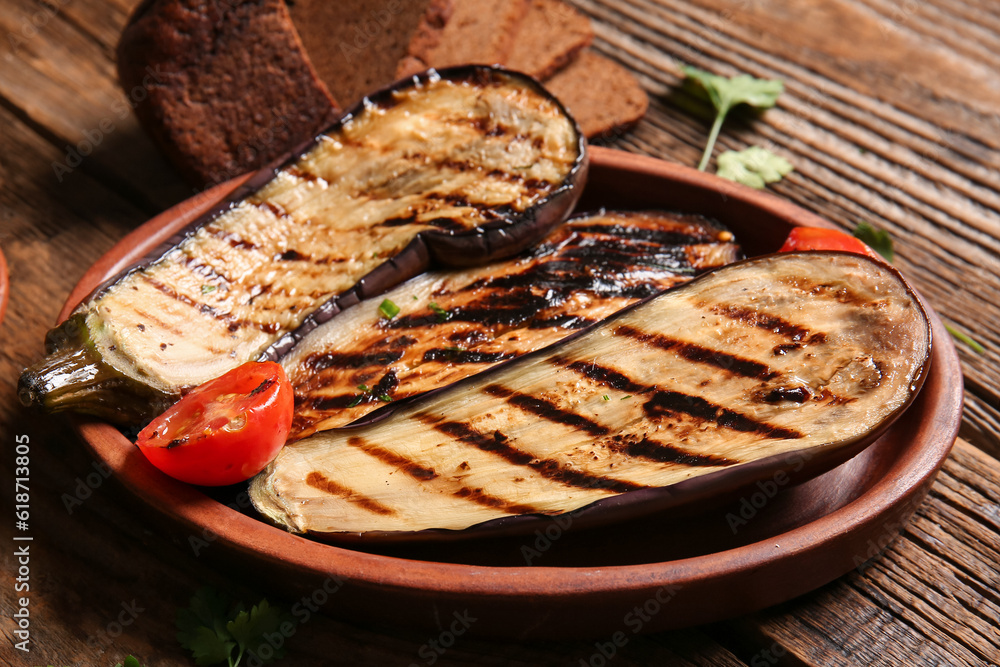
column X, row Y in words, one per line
column 225, row 430
column 818, row 238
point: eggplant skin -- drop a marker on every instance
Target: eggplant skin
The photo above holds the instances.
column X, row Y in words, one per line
column 456, row 167
column 452, row 324
column 794, row 356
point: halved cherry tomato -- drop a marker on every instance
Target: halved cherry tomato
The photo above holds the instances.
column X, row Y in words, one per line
column 818, row 238
column 225, row 430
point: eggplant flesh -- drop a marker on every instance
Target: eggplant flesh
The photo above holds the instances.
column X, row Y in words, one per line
column 459, row 167
column 807, row 354
column 452, row 324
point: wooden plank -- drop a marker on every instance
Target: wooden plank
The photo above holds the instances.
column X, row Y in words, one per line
column 62, row 82
column 930, row 598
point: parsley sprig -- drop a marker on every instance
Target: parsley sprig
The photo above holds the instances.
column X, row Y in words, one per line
column 218, row 631
column 725, row 93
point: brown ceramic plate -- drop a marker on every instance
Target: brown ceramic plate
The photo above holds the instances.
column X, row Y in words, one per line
column 770, row 544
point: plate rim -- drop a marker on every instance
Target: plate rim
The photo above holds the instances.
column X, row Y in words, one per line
column 198, row 512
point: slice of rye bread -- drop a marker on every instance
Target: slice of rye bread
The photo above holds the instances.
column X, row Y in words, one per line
column 226, row 87
column 603, row 97
column 478, row 32
column 550, row 36
column 356, row 45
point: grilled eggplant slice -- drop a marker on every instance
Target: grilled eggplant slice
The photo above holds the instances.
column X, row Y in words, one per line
column 462, row 167
column 452, row 324
column 782, row 358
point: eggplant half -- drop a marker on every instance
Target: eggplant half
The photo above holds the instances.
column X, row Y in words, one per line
column 797, row 356
column 442, row 326
column 458, row 167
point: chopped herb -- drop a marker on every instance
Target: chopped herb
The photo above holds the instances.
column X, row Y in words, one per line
column 385, row 398
column 355, row 401
column 964, row 338
column 208, row 289
column 442, row 314
column 130, row 661
column 374, row 255
column 876, row 239
column 414, row 297
column 364, row 387
column 754, row 166
column 388, row 309
column 627, row 396
column 728, row 92
column 607, row 398
column 216, row 631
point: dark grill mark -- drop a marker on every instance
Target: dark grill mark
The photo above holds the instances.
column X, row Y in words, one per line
column 303, row 174
column 263, row 386
column 561, row 322
column 548, row 468
column 414, row 470
column 230, row 238
column 686, row 235
column 665, row 403
column 546, row 410
column 234, row 324
column 323, row 483
column 292, row 256
column 323, row 360
column 480, row 497
column 601, row 374
column 466, row 356
column 662, row 452
column 274, row 209
column 447, row 224
column 771, row 323
column 794, row 394
column 700, row 354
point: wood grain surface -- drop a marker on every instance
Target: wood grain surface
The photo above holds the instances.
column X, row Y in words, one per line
column 891, row 114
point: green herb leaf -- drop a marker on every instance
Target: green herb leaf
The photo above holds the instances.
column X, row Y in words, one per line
column 728, row 92
column 252, row 629
column 213, row 629
column 966, row 339
column 442, row 314
column 606, row 397
column 876, row 239
column 356, row 401
column 208, row 289
column 754, row 166
column 628, row 396
column 388, row 309
column 130, row 661
column 385, row 398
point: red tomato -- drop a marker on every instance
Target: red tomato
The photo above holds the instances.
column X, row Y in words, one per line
column 225, row 430
column 818, row 238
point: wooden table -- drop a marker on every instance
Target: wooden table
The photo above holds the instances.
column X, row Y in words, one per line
column 891, row 114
